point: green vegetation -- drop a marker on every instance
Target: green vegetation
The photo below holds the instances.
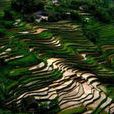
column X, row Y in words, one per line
column 27, row 60
column 27, row 7
column 45, row 35
column 78, row 110
column 78, row 33
column 2, row 32
column 20, row 71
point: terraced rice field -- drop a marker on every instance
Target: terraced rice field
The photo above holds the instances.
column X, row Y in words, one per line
column 48, row 69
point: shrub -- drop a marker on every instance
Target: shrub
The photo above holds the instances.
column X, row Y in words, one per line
column 77, row 4
column 5, row 111
column 2, row 33
column 2, row 62
column 75, row 16
column 53, row 17
column 102, row 15
column 8, row 14
column 29, row 18
column 111, row 11
column 91, row 31
column 8, row 24
column 92, row 34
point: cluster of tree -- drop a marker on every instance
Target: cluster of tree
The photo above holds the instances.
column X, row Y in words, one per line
column 45, row 106
column 27, row 6
column 99, row 9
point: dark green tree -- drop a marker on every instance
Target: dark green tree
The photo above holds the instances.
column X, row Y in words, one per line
column 27, row 6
